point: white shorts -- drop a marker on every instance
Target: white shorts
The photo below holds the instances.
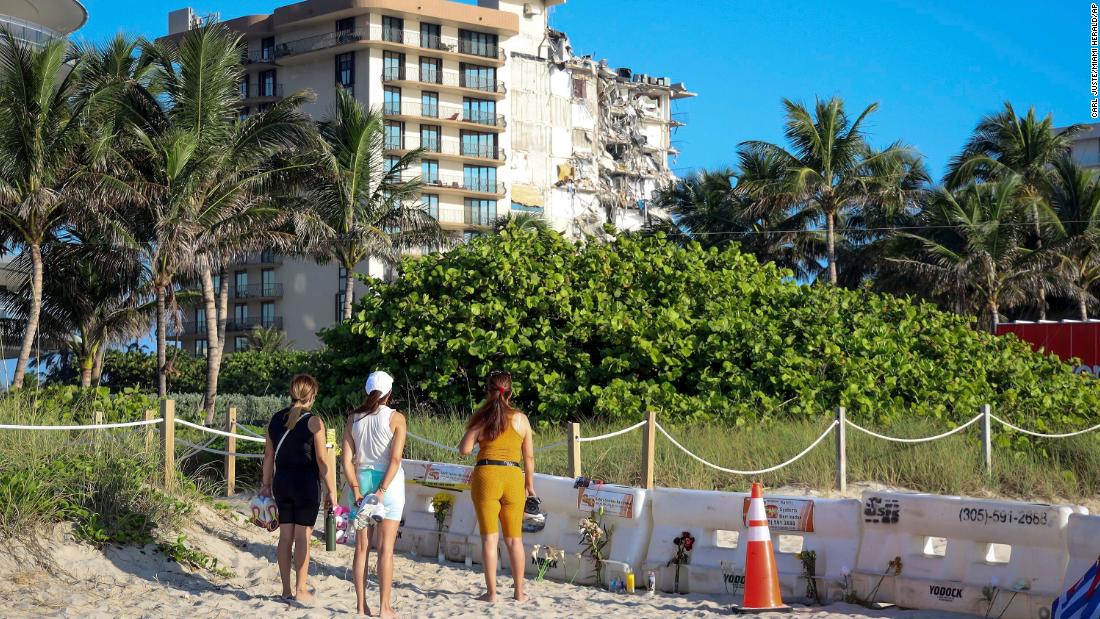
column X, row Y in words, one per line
column 393, row 500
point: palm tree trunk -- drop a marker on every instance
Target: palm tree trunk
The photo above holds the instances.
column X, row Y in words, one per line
column 32, row 317
column 349, row 291
column 213, row 345
column 1039, row 246
column 162, row 344
column 1083, row 309
column 830, row 240
column 995, row 317
column 223, row 311
column 97, row 369
column 87, row 366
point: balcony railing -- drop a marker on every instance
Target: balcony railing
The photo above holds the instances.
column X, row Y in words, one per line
column 263, row 257
column 258, row 56
column 257, row 291
column 413, row 38
column 443, row 111
column 457, row 181
column 258, row 90
column 443, row 78
column 251, row 322
column 320, row 41
column 27, row 32
column 447, row 147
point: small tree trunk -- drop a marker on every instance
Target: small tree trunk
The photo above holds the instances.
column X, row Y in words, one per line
column 1083, row 309
column 97, row 369
column 162, row 344
column 223, row 312
column 87, row 366
column 1042, row 293
column 32, row 317
column 349, row 291
column 830, row 240
column 213, row 345
column 994, row 316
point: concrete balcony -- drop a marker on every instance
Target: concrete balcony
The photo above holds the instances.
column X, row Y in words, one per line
column 307, row 48
column 257, row 291
column 458, row 184
column 449, row 81
column 446, row 115
column 452, row 150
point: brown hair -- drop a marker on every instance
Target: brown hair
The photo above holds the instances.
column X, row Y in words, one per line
column 303, row 391
column 492, row 416
column 370, row 405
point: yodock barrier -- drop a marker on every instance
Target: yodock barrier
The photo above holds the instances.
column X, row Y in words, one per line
column 1083, row 538
column 828, row 527
column 420, row 532
column 962, row 555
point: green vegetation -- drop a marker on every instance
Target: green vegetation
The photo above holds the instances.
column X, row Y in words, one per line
column 609, row 330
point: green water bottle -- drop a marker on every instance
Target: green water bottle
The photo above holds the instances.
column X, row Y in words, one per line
column 330, row 531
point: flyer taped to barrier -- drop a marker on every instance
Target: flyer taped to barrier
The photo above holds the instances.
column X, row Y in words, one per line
column 446, row 476
column 786, row 514
column 617, row 502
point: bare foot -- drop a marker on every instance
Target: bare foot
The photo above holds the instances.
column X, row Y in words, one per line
column 521, row 597
column 363, row 611
column 387, row 614
column 305, row 597
column 488, row 597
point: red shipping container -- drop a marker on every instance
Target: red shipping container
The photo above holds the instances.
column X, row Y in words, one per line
column 1066, row 340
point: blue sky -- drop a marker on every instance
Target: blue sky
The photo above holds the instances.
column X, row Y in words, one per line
column 935, row 67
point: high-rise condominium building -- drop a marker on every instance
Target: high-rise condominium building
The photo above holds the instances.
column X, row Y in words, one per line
column 511, row 119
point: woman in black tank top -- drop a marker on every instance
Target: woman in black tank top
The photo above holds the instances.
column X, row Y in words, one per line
column 295, row 464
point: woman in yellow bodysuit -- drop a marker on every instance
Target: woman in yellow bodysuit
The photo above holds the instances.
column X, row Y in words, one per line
column 500, row 485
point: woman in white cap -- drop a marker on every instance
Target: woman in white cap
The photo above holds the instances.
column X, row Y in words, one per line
column 374, row 438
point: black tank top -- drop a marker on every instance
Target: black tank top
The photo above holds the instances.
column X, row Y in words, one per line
column 297, row 453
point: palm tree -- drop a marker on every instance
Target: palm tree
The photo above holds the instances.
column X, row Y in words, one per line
column 367, row 207
column 1003, row 144
column 521, row 221
column 267, row 339
column 1074, row 231
column 975, row 244
column 830, row 168
column 201, row 180
column 40, row 150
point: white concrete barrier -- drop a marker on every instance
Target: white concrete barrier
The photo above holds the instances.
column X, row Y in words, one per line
column 419, row 531
column 1083, row 538
column 963, row 555
column 829, row 527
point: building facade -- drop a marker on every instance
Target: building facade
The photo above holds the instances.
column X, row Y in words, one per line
column 1085, row 149
column 511, row 121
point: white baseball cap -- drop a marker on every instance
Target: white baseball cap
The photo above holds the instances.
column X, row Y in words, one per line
column 379, row 381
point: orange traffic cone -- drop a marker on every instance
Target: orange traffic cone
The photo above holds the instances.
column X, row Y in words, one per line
column 761, row 576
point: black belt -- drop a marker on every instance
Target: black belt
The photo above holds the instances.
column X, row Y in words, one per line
column 498, row 463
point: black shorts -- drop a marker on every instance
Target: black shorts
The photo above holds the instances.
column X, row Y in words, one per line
column 298, row 497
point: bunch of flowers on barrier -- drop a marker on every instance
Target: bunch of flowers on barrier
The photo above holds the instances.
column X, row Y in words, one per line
column 846, row 585
column 893, row 566
column 809, row 571
column 595, row 537
column 684, row 544
column 441, row 506
column 547, row 561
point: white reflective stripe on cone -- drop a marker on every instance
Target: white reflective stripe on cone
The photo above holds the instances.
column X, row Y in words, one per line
column 756, row 511
column 758, row 534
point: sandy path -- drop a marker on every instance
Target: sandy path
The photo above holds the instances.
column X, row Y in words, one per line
column 131, row 582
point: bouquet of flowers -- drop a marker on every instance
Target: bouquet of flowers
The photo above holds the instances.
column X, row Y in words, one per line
column 595, row 537
column 441, row 506
column 684, row 544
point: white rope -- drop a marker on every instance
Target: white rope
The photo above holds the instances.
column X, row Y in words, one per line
column 213, row 431
column 98, row 426
column 246, row 430
column 551, row 445
column 195, row 451
column 217, row 451
column 824, row 434
column 431, row 442
column 925, row 440
column 1041, row 435
column 589, row 439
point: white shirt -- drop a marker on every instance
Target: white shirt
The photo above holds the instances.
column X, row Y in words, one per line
column 373, row 439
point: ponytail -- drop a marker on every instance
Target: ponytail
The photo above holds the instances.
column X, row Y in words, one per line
column 369, row 406
column 492, row 416
column 303, row 391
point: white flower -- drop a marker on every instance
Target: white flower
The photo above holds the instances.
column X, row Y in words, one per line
column 845, row 571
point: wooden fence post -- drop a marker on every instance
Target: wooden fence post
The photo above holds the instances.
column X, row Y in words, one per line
column 987, row 439
column 841, row 450
column 649, row 449
column 149, row 431
column 574, row 450
column 96, row 419
column 168, row 441
column 231, row 447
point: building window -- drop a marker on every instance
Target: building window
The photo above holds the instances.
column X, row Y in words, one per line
column 391, row 163
column 267, row 314
column 345, row 25
column 267, row 83
column 478, row 77
column 431, row 137
column 201, row 347
column 431, row 205
column 475, row 144
column 579, row 87
column 393, row 66
column 392, row 101
column 240, row 285
column 481, row 111
column 480, row 178
column 218, row 278
column 480, row 212
column 393, row 29
column 431, row 70
column 240, row 314
column 345, row 71
column 242, row 113
column 429, row 171
column 267, row 280
column 477, row 43
column 240, row 343
column 429, row 104
column 200, row 320
column 395, row 135
column 267, row 48
column 470, row 235
column 430, row 36
column 243, row 87
column 263, row 107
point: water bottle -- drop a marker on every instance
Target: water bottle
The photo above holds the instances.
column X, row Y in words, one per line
column 629, row 580
column 651, row 582
column 330, row 531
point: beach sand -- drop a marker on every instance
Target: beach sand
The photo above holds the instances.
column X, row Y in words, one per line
column 131, row 582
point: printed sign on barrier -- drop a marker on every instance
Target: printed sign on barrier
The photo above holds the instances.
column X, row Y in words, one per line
column 614, row 501
column 785, row 514
column 446, row 476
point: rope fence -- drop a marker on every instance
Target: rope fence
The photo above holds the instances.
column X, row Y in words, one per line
column 235, row 431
